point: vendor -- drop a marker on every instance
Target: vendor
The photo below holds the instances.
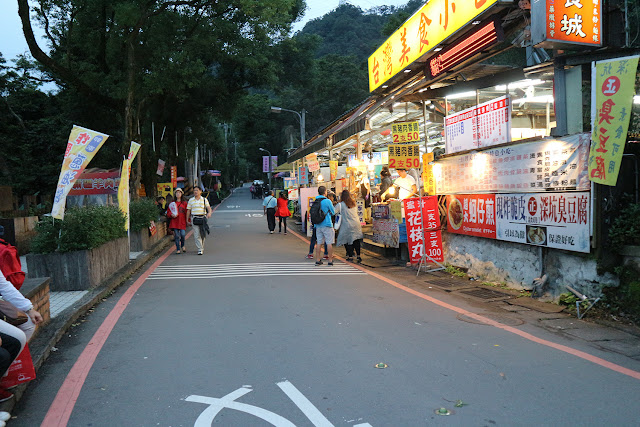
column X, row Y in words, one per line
column 405, row 185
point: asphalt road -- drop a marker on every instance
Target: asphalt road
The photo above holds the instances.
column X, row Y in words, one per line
column 253, row 334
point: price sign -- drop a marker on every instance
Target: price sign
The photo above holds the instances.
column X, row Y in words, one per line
column 404, row 156
column 405, row 132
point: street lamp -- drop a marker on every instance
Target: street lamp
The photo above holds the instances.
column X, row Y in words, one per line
column 301, row 118
column 269, row 174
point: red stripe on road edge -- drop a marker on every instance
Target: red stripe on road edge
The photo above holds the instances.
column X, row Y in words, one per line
column 526, row 335
column 62, row 406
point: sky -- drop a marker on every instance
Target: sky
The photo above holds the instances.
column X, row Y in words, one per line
column 12, row 40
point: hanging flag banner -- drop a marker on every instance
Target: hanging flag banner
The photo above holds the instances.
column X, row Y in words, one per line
column 160, row 169
column 614, row 90
column 405, row 132
column 333, row 170
column 174, row 176
column 123, row 192
column 423, row 228
column 312, row 162
column 133, row 151
column 303, row 176
column 82, row 145
column 265, row 163
column 404, row 156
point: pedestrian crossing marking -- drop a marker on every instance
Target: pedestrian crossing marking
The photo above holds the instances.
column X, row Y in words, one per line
column 198, row 271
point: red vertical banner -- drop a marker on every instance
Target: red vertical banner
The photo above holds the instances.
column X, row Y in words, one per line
column 174, row 177
column 423, row 228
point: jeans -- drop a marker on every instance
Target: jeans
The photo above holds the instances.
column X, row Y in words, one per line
column 178, row 237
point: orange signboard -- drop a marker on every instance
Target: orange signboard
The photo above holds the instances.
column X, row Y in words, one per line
column 432, row 24
column 574, row 21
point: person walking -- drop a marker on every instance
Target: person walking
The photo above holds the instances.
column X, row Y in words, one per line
column 324, row 229
column 385, row 182
column 198, row 211
column 350, row 232
column 177, row 214
column 269, row 207
column 282, row 211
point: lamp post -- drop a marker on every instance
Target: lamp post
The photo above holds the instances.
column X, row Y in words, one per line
column 269, row 173
column 301, row 118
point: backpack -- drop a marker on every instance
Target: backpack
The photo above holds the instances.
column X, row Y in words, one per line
column 10, row 264
column 317, row 216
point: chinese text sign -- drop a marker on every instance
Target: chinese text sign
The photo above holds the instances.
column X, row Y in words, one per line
column 614, row 90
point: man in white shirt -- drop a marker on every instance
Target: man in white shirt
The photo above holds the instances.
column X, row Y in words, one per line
column 405, row 185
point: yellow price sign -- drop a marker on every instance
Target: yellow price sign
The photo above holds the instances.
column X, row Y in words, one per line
column 405, row 132
column 404, row 156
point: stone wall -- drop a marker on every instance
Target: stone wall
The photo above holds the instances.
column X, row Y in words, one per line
column 80, row 270
column 142, row 240
column 37, row 291
column 518, row 265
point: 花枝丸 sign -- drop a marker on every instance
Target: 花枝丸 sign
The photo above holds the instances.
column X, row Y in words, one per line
column 423, row 228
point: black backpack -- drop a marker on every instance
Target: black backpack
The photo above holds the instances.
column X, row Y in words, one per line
column 317, row 216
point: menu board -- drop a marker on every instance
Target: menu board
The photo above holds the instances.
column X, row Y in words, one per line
column 386, row 232
column 481, row 126
column 554, row 220
column 546, row 165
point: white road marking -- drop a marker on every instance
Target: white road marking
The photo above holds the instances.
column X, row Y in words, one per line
column 216, row 405
column 362, row 425
column 250, row 270
column 307, row 408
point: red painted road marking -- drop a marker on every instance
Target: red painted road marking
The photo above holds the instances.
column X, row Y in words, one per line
column 525, row 335
column 62, row 406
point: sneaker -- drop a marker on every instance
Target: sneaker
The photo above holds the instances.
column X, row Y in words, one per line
column 4, row 416
column 184, row 250
column 349, row 258
column 330, row 263
column 200, row 252
column 359, row 260
column 178, row 252
column 285, row 233
column 317, row 263
column 271, row 232
column 310, row 256
column 5, row 395
column 325, row 257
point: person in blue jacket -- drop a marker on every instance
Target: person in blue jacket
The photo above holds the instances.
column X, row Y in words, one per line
column 324, row 231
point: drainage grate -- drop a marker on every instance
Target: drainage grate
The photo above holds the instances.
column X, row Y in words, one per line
column 448, row 283
column 486, row 294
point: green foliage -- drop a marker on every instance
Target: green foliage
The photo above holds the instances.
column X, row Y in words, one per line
column 82, row 228
column 455, row 271
column 625, row 229
column 141, row 213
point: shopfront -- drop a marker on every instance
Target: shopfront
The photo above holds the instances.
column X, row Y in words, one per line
column 493, row 123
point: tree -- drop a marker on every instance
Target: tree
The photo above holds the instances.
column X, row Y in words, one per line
column 193, row 57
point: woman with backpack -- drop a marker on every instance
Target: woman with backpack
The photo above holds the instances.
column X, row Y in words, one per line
column 350, row 231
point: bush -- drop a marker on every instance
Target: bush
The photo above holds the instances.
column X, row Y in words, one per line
column 625, row 229
column 141, row 213
column 82, row 228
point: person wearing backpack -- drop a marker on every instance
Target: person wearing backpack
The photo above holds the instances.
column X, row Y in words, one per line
column 321, row 212
column 269, row 207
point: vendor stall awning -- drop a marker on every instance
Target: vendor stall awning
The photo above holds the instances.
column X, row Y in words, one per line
column 285, row 167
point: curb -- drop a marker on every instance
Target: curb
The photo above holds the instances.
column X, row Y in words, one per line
column 55, row 329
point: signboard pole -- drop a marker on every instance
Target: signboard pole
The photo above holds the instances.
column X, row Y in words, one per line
column 425, row 257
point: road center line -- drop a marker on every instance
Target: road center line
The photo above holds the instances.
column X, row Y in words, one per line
column 581, row 354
